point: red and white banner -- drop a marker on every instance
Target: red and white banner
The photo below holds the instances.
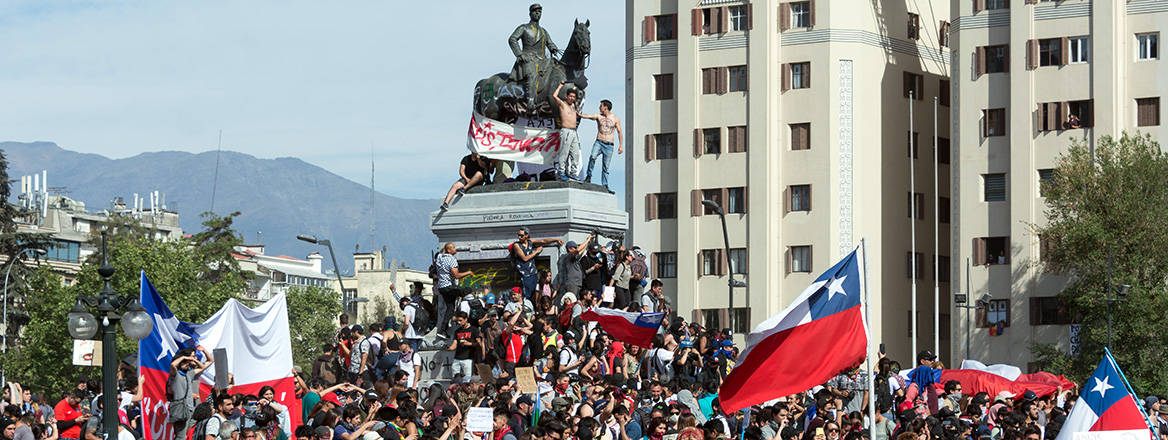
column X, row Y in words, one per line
column 503, row 141
column 976, row 377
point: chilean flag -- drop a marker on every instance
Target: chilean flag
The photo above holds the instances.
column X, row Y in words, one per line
column 817, row 337
column 259, row 353
column 1106, row 405
column 631, row 327
column 976, row 377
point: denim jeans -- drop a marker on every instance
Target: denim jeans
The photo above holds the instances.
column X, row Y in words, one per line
column 600, row 148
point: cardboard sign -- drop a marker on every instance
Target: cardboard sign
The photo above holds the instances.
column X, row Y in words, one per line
column 221, row 378
column 609, row 294
column 526, row 378
column 86, row 353
column 480, row 419
column 485, row 374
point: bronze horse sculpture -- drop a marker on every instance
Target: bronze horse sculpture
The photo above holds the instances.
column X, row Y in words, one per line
column 499, row 98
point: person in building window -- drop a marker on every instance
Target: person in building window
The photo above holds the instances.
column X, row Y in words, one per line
column 1073, row 121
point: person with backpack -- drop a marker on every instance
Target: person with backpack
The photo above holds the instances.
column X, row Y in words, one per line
column 182, row 386
column 412, row 335
column 569, row 361
column 447, row 275
column 361, row 359
column 639, row 273
column 209, row 429
column 523, row 252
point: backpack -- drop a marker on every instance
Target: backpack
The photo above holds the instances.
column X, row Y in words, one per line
column 656, row 305
column 638, row 269
column 566, row 314
column 425, row 317
column 201, row 427
column 477, row 310
column 433, row 271
column 386, row 365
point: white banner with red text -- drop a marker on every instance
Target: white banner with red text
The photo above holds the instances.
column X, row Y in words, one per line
column 499, row 140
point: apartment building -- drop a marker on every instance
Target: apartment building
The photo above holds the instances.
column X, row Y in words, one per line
column 1029, row 76
column 794, row 117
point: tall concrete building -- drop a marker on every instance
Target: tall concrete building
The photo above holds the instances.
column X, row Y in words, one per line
column 794, row 117
column 1027, row 78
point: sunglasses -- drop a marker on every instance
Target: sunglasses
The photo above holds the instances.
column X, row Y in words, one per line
column 833, row 430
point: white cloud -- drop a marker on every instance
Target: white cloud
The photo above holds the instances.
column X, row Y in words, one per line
column 316, row 80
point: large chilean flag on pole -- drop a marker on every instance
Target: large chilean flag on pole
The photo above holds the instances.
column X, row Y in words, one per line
column 817, row 337
column 631, row 327
column 1106, row 406
column 259, row 353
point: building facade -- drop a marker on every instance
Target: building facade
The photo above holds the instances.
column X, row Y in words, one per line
column 1028, row 77
column 275, row 274
column 370, row 291
column 794, row 118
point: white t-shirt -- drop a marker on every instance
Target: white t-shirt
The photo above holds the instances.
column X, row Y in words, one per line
column 513, row 307
column 569, row 357
column 407, row 364
column 410, row 312
column 649, row 302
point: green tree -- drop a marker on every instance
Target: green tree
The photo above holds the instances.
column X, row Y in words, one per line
column 310, row 319
column 14, row 249
column 1112, row 204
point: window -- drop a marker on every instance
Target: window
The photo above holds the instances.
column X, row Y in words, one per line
column 739, row 18
column 996, row 311
column 1148, row 46
column 736, row 139
column 799, row 198
column 909, row 263
column 1079, row 114
column 801, row 14
column 741, row 320
column 660, row 27
column 916, row 204
column 991, row 251
column 994, row 187
column 914, row 26
column 665, row 263
column 1050, row 52
column 997, row 4
column 1147, row 112
column 943, row 34
column 66, row 251
column 1080, row 50
column 711, row 318
column 661, row 146
column 799, row 259
column 943, row 209
column 1049, row 310
column 796, row 76
column 944, row 92
column 913, row 145
column 711, row 80
column 993, row 59
column 941, row 268
column 1044, row 180
column 736, row 200
column 914, row 85
column 993, row 122
column 663, row 86
column 738, row 261
column 660, row 206
column 713, row 195
column 710, row 262
column 738, row 78
column 1046, row 247
column 801, row 136
column 942, row 150
column 712, row 141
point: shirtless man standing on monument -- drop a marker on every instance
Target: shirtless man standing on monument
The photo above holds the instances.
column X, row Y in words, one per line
column 568, row 162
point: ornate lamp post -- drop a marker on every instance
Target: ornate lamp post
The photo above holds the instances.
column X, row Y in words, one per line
column 83, row 325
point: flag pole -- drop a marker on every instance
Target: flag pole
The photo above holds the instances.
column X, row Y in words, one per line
column 912, row 220
column 1130, row 390
column 936, row 238
column 871, row 372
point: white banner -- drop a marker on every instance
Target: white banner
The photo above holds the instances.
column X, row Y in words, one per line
column 502, row 141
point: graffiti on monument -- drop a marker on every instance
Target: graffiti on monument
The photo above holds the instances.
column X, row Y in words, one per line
column 497, row 275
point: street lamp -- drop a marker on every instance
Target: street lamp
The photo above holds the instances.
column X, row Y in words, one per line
column 4, row 336
column 731, row 283
column 83, row 325
column 1120, row 292
column 961, row 299
column 337, row 270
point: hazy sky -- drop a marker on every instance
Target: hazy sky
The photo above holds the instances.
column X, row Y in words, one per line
column 322, row 81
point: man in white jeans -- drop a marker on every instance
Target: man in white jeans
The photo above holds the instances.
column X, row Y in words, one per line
column 568, row 162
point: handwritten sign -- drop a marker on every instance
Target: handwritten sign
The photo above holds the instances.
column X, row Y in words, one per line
column 86, row 353
column 480, row 419
column 526, row 378
column 499, row 140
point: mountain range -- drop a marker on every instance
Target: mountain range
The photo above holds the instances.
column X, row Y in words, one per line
column 277, row 198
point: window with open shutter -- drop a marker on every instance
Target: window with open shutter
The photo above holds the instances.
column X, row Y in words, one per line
column 723, row 80
column 914, row 26
column 697, row 142
column 1148, row 112
column 784, row 16
column 801, row 136
column 709, row 80
column 786, row 77
column 979, row 251
column 696, row 21
column 650, row 206
column 695, row 203
column 650, row 30
column 943, row 33
column 650, row 147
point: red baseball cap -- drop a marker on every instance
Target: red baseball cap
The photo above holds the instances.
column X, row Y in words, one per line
column 332, row 397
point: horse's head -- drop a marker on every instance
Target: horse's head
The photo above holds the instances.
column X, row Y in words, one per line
column 581, row 37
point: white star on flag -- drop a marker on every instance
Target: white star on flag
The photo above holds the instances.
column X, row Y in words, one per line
column 836, row 286
column 1101, row 386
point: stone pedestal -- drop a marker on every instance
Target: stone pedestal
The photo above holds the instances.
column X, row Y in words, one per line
column 485, row 221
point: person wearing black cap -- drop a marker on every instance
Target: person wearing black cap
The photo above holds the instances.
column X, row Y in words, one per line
column 594, row 264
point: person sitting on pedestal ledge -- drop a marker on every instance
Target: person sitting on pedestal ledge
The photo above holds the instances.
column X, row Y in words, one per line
column 473, row 170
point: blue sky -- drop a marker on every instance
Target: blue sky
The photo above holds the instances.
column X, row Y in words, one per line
column 322, row 81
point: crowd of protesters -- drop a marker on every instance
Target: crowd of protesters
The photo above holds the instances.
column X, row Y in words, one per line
column 367, row 384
